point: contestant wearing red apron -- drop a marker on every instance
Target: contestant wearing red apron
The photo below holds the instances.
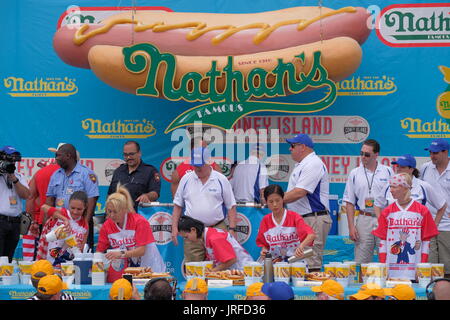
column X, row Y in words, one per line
column 221, row 247
column 283, row 232
column 130, row 234
column 405, row 229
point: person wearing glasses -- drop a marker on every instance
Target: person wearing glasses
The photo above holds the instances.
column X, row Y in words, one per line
column 363, row 186
column 141, row 180
column 308, row 194
column 437, row 173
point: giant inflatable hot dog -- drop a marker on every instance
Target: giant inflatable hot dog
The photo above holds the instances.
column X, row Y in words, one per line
column 197, row 40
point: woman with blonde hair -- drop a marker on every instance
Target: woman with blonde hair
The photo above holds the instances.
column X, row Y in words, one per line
column 405, row 229
column 129, row 234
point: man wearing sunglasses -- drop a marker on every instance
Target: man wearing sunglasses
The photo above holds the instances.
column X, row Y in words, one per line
column 364, row 184
column 308, row 193
column 437, row 173
column 142, row 180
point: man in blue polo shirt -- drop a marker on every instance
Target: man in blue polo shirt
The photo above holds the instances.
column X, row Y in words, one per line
column 71, row 177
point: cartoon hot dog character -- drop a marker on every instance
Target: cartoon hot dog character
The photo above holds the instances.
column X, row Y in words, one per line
column 197, row 40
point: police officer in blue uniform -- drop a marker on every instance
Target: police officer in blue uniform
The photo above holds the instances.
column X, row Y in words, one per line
column 71, row 177
column 142, row 180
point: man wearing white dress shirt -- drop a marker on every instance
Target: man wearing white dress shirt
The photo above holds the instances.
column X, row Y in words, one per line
column 308, row 194
column 250, row 177
column 363, row 186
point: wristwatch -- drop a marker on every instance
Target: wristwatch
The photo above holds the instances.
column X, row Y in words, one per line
column 122, row 252
column 232, row 228
column 15, row 181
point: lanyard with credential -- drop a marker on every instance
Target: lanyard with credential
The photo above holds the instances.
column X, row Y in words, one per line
column 369, row 185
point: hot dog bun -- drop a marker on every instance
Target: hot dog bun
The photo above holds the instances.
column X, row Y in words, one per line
column 213, row 34
column 340, row 56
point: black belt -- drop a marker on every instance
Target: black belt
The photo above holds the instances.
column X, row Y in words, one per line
column 315, row 213
column 9, row 219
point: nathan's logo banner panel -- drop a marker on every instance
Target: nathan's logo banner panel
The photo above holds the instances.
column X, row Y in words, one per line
column 96, row 75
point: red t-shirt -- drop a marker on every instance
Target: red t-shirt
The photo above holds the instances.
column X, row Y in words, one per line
column 136, row 233
column 282, row 239
column 42, row 179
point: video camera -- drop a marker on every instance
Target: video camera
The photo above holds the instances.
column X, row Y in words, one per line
column 7, row 161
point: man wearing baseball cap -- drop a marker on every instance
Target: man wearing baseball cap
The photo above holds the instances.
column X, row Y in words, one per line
column 254, row 292
column 437, row 173
column 195, row 289
column 400, row 292
column 308, row 193
column 206, row 195
column 278, row 290
column 329, row 290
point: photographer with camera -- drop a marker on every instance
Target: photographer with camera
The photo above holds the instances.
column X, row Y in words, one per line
column 13, row 188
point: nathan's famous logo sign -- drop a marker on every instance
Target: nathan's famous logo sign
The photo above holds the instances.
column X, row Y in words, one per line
column 40, row 87
column 231, row 104
column 118, row 129
column 208, row 58
column 437, row 128
column 366, row 86
column 420, row 25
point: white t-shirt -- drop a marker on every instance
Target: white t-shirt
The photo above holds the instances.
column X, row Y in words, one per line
column 361, row 180
column 249, row 177
column 430, row 174
column 311, row 175
column 10, row 202
column 207, row 202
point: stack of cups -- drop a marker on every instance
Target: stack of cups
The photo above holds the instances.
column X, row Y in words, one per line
column 25, row 271
column 282, row 272
column 199, row 269
column 6, row 270
column 437, row 270
column 190, row 270
column 208, row 266
column 342, row 273
column 352, row 276
column 363, row 272
column 330, row 269
column 98, row 270
column 298, row 271
column 68, row 272
column 423, row 271
column 376, row 273
column 253, row 272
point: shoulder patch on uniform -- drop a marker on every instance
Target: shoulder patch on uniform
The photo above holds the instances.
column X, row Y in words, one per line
column 157, row 177
column 93, row 177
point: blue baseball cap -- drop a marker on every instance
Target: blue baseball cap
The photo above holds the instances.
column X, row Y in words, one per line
column 9, row 150
column 200, row 156
column 303, row 139
column 438, row 145
column 405, row 160
column 278, row 290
